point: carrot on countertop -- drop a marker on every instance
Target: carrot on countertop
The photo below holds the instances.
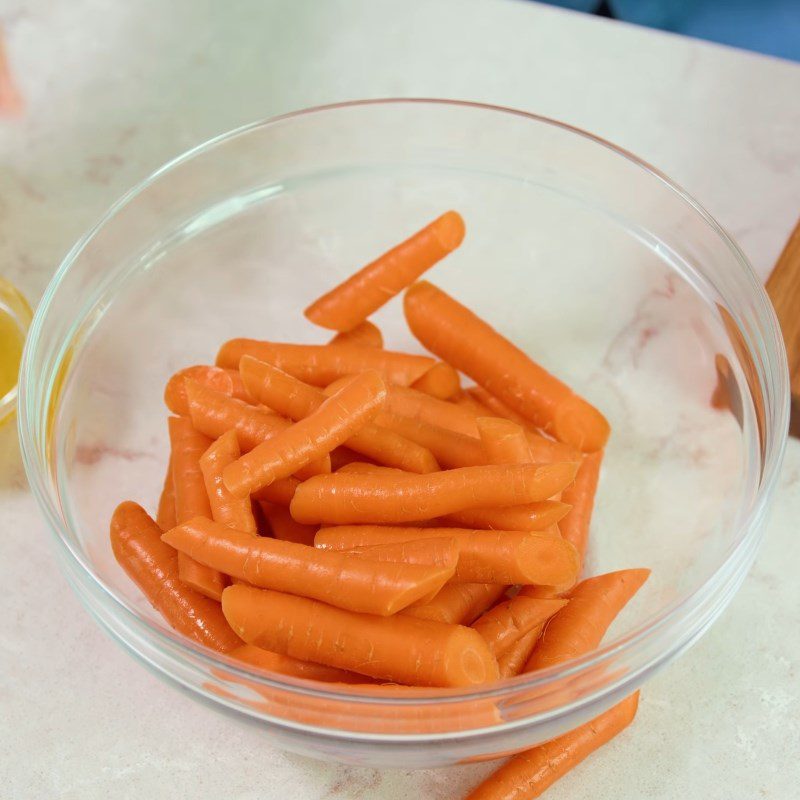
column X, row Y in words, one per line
column 580, row 495
column 365, row 334
column 409, row 402
column 456, row 335
column 400, row 648
column 341, row 498
column 441, row 552
column 165, row 516
column 450, row 449
column 337, row 419
column 351, row 302
column 458, row 603
column 226, row 508
column 440, row 381
column 507, row 557
column 191, row 500
column 283, row 527
column 528, row 774
column 509, row 621
column 503, row 441
column 579, row 627
column 322, row 364
column 226, row 381
column 153, row 566
column 214, row 413
column 286, row 665
column 347, row 581
column 297, row 400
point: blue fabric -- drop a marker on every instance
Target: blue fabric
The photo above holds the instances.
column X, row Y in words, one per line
column 767, row 26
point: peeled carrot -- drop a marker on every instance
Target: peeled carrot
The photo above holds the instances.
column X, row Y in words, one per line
column 364, row 334
column 579, row 627
column 153, row 566
column 441, row 552
column 191, row 500
column 409, row 402
column 351, row 582
column 226, row 381
column 351, row 302
column 512, row 662
column 456, row 335
column 506, row 623
column 297, row 400
column 580, row 495
column 214, row 413
column 412, row 651
column 280, row 492
column 283, row 527
column 440, row 381
column 528, row 774
column 342, row 498
column 321, row 365
column 226, row 508
column 285, row 665
column 165, row 516
column 449, row 448
column 458, row 603
column 528, row 517
column 484, row 556
column 503, row 441
column 333, row 423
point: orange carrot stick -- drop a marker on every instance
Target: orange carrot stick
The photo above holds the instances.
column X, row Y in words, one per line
column 580, row 495
column 468, row 401
column 506, row 623
column 512, row 662
column 440, row 381
column 226, row 381
column 285, row 665
column 342, row 498
column 412, row 651
column 280, row 492
column 283, row 527
column 528, row 517
column 449, row 449
column 351, row 582
column 484, row 556
column 364, row 334
column 297, row 400
column 458, row 603
column 456, row 335
column 441, row 552
column 165, row 517
column 528, row 774
column 579, row 627
column 191, row 500
column 153, row 566
column 214, row 413
column 408, row 402
column 332, row 424
column 226, row 508
column 503, row 441
column 351, row 302
column 322, row 364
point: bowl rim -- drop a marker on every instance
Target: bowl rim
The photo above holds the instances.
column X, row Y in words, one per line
column 738, row 556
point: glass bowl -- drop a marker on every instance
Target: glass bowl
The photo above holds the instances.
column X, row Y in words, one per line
column 594, row 262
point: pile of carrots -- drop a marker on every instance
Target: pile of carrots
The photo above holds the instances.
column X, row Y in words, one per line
column 349, row 514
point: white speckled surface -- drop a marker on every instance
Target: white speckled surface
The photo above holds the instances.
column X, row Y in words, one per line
column 112, row 92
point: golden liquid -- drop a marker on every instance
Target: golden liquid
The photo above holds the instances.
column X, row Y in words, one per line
column 11, row 341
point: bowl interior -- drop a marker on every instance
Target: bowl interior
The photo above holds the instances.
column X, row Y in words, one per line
column 596, row 267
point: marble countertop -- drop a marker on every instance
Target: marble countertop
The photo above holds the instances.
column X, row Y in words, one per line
column 112, row 91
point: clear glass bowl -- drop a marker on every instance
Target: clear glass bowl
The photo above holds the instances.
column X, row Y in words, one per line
column 599, row 266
